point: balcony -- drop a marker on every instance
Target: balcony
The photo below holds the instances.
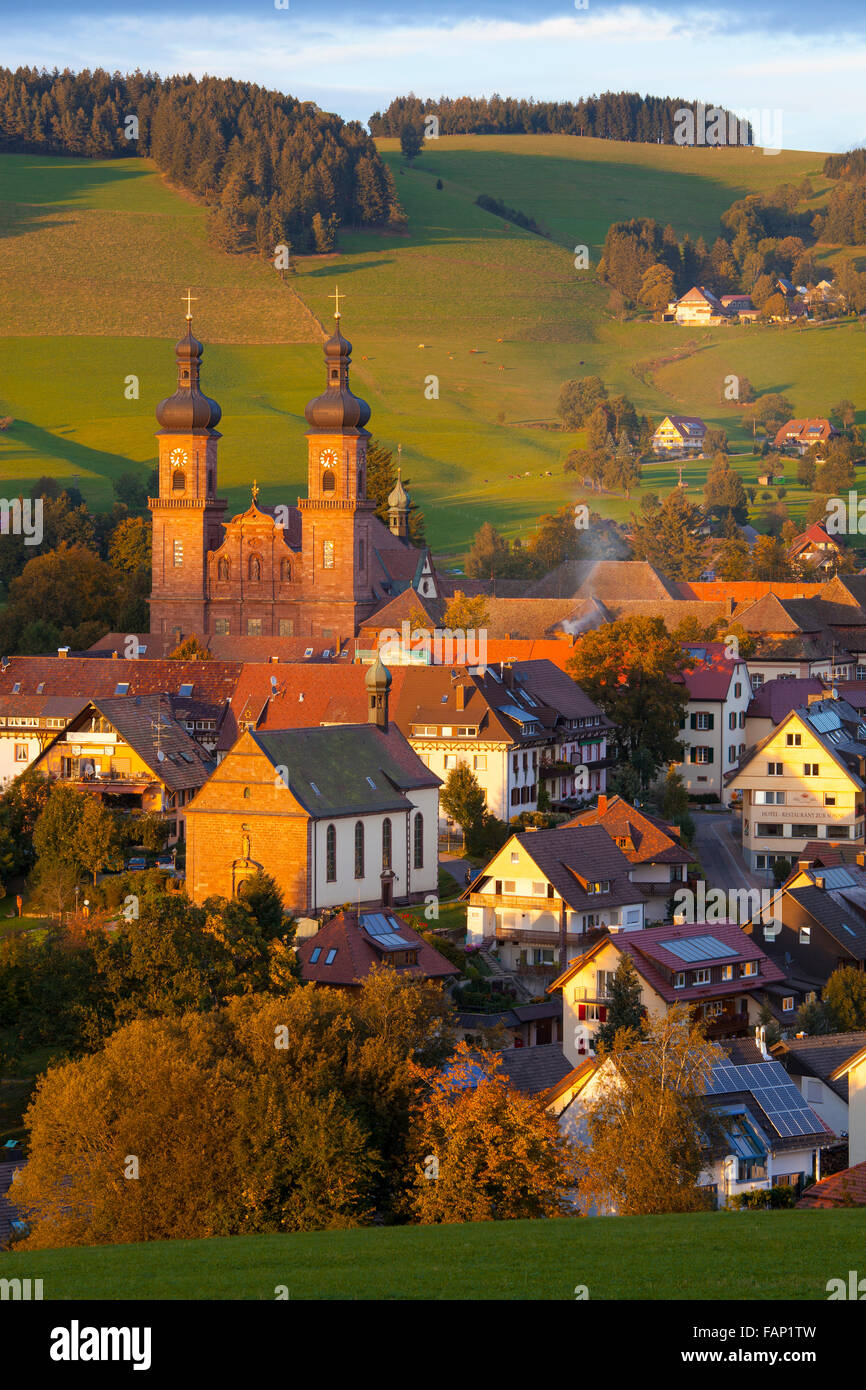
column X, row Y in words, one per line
column 727, row 1025
column 509, row 900
column 549, row 770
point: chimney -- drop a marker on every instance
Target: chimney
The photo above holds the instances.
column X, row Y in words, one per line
column 460, row 695
column 563, row 935
column 114, row 656
column 508, row 676
column 63, row 652
column 602, row 805
column 761, row 1042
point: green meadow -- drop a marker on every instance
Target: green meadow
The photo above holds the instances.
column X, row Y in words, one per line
column 762, row 1256
column 463, row 328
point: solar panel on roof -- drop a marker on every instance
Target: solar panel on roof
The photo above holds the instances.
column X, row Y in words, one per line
column 838, row 877
column 698, row 948
column 774, row 1091
column 385, row 929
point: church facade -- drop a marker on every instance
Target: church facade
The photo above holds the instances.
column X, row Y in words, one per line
column 315, row 570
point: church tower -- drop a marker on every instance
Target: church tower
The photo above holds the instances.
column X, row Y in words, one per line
column 187, row 514
column 337, row 516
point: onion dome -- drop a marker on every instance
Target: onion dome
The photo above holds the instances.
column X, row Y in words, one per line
column 188, row 408
column 378, row 677
column 337, row 408
column 398, row 500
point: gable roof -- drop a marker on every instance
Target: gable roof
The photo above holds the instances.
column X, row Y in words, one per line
column 842, row 919
column 845, row 1189
column 359, row 944
column 776, row 698
column 147, row 725
column 650, row 841
column 604, row 580
column 569, row 854
column 345, row 769
column 534, row 1069
column 821, row 1056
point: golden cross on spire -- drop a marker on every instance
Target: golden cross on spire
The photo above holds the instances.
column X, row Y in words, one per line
column 336, row 298
column 255, row 491
column 189, row 298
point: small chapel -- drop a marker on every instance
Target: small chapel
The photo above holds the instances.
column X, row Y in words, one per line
column 318, row 569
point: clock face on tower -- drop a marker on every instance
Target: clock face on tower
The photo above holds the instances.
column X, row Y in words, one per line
column 328, row 458
column 178, row 458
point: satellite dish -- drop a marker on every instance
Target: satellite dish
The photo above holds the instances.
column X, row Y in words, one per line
column 274, row 684
column 160, row 756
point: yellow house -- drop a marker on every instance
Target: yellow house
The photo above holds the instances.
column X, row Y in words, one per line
column 133, row 754
column 806, row 780
column 679, row 434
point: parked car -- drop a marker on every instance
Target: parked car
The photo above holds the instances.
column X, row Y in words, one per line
column 165, row 861
column 137, row 862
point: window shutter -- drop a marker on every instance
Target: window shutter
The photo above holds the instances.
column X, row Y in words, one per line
column 602, row 1013
column 710, row 754
column 581, row 1011
column 711, row 720
column 693, row 755
column 694, row 721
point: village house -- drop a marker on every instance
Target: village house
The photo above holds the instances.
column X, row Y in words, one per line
column 131, row 753
column 804, row 781
column 714, row 722
column 520, row 728
column 697, row 306
column 28, row 723
column 326, row 811
column 818, row 1066
column 351, row 944
column 542, row 894
column 853, row 1069
column 815, row 551
column 796, row 436
column 817, row 924
column 740, row 306
column 679, row 434
column 658, row 858
column 715, row 967
column 770, row 1135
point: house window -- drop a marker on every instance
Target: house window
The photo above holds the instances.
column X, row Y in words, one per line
column 331, row 854
column 450, row 760
column 701, row 755
column 765, row 798
column 805, row 936
column 386, row 843
column 702, row 976
column 329, row 958
column 254, row 627
column 793, row 740
column 510, row 886
column 359, row 849
column 732, row 753
column 287, row 627
column 774, row 769
column 221, row 627
column 21, row 752
column 727, row 972
column 738, row 690
column 479, row 762
column 317, row 951
column 829, row 798
column 788, row 1004
column 680, row 979
column 732, row 721
column 419, row 841
column 327, row 555
column 702, row 721
column 749, row 967
column 811, row 769
column 178, row 553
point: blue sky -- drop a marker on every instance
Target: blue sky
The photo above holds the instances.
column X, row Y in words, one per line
column 802, row 59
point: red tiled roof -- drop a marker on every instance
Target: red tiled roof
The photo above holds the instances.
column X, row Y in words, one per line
column 649, row 839
column 845, row 1189
column 357, row 954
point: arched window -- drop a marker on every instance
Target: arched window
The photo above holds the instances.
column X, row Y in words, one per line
column 331, row 854
column 359, row 849
column 360, row 482
column 223, row 569
column 178, row 480
column 255, row 568
column 329, row 482
column 286, row 570
column 386, row 843
column 419, row 841
column 247, row 793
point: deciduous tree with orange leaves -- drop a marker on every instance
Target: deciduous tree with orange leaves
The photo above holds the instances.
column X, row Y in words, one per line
column 484, row 1151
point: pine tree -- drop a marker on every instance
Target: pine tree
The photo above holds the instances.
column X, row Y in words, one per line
column 624, row 1007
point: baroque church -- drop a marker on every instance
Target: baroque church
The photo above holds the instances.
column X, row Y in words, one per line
column 315, row 570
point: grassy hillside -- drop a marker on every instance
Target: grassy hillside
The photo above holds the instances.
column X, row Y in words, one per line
column 746, row 1255
column 95, row 256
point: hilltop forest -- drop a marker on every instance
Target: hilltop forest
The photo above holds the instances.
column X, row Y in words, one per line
column 272, row 169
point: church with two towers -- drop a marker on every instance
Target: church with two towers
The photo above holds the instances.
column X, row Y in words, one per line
column 318, row 569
